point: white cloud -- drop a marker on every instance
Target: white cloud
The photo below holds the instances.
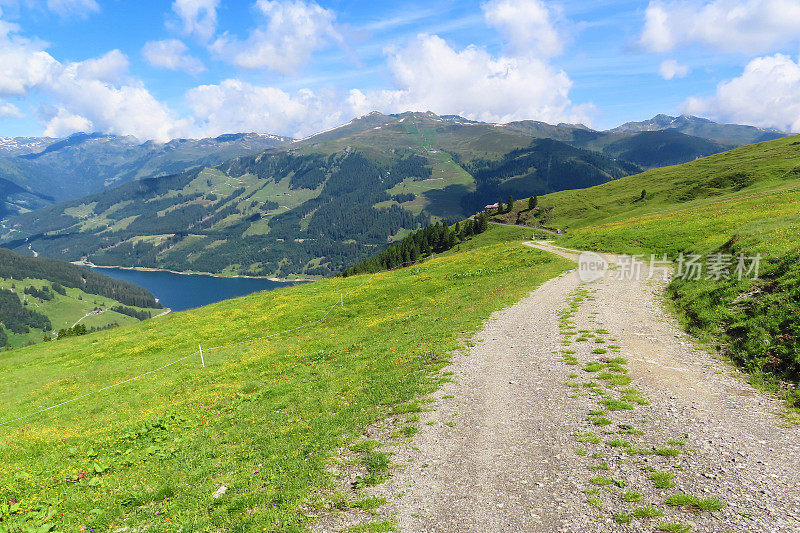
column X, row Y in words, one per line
column 197, row 17
column 61, row 123
column 234, row 105
column 767, row 94
column 171, row 54
column 671, row 69
column 9, row 110
column 21, row 69
column 125, row 108
column 431, row 75
column 94, row 94
column 23, row 62
column 749, row 26
column 527, row 24
column 292, row 30
column 111, row 67
column 73, row 8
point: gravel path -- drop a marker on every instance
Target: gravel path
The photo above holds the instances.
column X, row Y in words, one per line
column 530, row 437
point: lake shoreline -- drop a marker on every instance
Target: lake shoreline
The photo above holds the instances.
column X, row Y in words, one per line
column 89, row 264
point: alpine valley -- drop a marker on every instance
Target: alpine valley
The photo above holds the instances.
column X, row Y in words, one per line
column 264, row 205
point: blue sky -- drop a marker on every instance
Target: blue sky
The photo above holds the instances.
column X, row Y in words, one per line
column 158, row 69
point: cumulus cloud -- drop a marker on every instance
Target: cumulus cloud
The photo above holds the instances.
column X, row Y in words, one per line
column 61, row 122
column 73, row 8
column 671, row 69
column 23, row 63
column 290, row 32
column 171, row 54
column 95, row 94
column 432, row 75
column 9, row 110
column 767, row 94
column 196, row 17
column 749, row 26
column 526, row 23
column 111, row 67
column 20, row 70
column 234, row 105
column 125, row 109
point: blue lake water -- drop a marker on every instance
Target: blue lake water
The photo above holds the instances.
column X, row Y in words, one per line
column 187, row 291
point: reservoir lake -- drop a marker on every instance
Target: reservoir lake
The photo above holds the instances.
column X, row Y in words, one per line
column 187, row 291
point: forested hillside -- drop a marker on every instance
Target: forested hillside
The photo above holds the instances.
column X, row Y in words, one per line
column 544, row 166
column 432, row 239
column 40, row 296
column 16, row 266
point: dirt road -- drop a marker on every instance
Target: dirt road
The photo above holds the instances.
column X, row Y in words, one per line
column 585, row 408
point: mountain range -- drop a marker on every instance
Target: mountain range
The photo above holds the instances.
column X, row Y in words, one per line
column 35, row 172
column 736, row 134
column 313, row 206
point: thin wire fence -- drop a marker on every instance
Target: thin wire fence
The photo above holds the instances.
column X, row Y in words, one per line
column 312, row 323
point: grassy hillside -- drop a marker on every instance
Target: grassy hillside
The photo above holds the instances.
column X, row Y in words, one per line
column 749, row 195
column 263, row 417
column 42, row 296
column 746, row 201
column 64, row 311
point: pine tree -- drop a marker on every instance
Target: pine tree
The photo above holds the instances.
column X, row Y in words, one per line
column 499, row 207
column 532, row 202
column 469, row 228
column 510, row 203
column 482, row 222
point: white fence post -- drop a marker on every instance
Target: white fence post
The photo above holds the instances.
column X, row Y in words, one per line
column 202, row 360
column 341, row 299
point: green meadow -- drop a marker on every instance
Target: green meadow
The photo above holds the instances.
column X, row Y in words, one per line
column 262, row 419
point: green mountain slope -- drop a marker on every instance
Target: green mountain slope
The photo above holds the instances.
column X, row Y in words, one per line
column 544, row 166
column 761, row 168
column 653, row 149
column 646, row 148
column 40, row 296
column 63, row 169
column 746, row 201
column 15, row 199
column 262, row 418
